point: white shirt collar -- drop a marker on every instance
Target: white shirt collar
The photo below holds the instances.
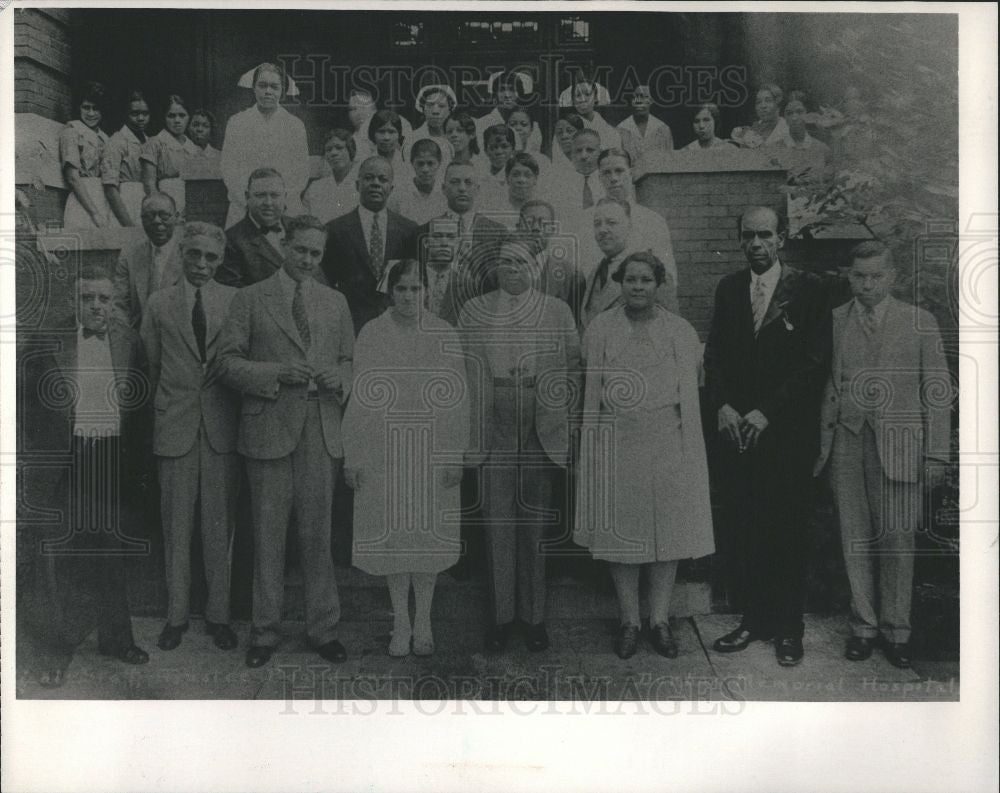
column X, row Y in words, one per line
column 367, row 215
column 769, row 279
column 163, row 252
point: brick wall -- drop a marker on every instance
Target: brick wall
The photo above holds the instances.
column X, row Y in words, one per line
column 702, row 209
column 43, row 63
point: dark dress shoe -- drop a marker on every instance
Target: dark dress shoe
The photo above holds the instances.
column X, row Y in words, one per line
column 497, row 637
column 332, row 651
column 737, row 640
column 259, row 655
column 128, row 655
column 170, row 636
column 627, row 642
column 788, row 650
column 897, row 654
column 536, row 638
column 859, row 648
column 222, row 635
column 663, row 641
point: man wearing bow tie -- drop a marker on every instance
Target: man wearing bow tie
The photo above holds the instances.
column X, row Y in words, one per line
column 362, row 241
column 194, row 437
column 286, row 345
column 87, row 388
column 765, row 360
column 151, row 264
column 253, row 250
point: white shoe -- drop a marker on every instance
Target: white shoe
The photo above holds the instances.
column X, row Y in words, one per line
column 423, row 642
column 399, row 645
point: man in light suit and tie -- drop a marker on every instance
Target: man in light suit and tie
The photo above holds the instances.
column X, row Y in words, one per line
column 885, row 429
column 360, row 243
column 194, row 435
column 153, row 263
column 286, row 346
column 253, row 250
column 613, row 232
column 523, row 356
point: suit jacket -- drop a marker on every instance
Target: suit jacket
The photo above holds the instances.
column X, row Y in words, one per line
column 561, row 278
column 133, row 279
column 611, row 297
column 347, row 264
column 558, row 374
column 257, row 338
column 780, row 371
column 250, row 256
column 186, row 393
column 914, row 419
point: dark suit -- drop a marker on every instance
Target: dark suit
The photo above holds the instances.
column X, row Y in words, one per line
column 250, row 256
column 348, row 267
column 473, row 271
column 780, row 373
column 71, row 579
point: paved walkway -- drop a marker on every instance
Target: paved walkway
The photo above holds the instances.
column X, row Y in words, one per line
column 580, row 666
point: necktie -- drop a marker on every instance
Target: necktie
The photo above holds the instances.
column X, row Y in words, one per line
column 199, row 324
column 461, row 225
column 100, row 334
column 376, row 247
column 601, row 274
column 869, row 323
column 588, row 195
column 300, row 317
column 758, row 304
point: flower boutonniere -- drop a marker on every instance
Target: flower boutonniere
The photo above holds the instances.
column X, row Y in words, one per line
column 788, row 323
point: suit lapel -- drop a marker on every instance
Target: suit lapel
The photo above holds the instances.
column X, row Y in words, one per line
column 218, row 305
column 178, row 308
column 893, row 330
column 357, row 237
column 66, row 358
column 840, row 315
column 144, row 273
column 274, row 300
column 783, row 293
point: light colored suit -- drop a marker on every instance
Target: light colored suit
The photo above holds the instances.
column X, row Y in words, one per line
column 134, row 281
column 886, row 407
column 291, row 440
column 194, row 437
column 519, row 434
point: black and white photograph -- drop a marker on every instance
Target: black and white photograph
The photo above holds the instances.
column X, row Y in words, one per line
column 455, row 359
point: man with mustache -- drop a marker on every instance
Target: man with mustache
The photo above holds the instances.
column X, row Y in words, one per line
column 361, row 242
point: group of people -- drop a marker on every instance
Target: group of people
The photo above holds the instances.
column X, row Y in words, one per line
column 108, row 177
column 424, row 359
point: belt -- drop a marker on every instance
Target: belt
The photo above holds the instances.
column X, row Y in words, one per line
column 514, row 382
column 312, row 395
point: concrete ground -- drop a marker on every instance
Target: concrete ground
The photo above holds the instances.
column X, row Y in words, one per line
column 580, row 666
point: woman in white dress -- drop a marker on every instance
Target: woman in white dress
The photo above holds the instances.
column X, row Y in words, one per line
column 81, row 146
column 331, row 196
column 562, row 140
column 405, row 431
column 769, row 128
column 461, row 131
column 586, row 95
column 642, row 496
column 121, row 167
column 164, row 153
column 265, row 136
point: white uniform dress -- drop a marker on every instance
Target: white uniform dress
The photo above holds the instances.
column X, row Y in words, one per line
column 327, row 199
column 407, row 417
column 254, row 140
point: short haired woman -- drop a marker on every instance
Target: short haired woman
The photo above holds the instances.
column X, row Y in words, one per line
column 81, row 146
column 164, row 153
column 337, row 194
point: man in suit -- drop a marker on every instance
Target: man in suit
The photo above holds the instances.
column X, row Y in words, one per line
column 478, row 236
column 361, row 242
column 765, row 359
column 88, row 386
column 580, row 189
column 559, row 273
column 194, row 436
column 253, row 250
column 885, row 430
column 524, row 367
column 613, row 233
column 153, row 263
column 286, row 346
